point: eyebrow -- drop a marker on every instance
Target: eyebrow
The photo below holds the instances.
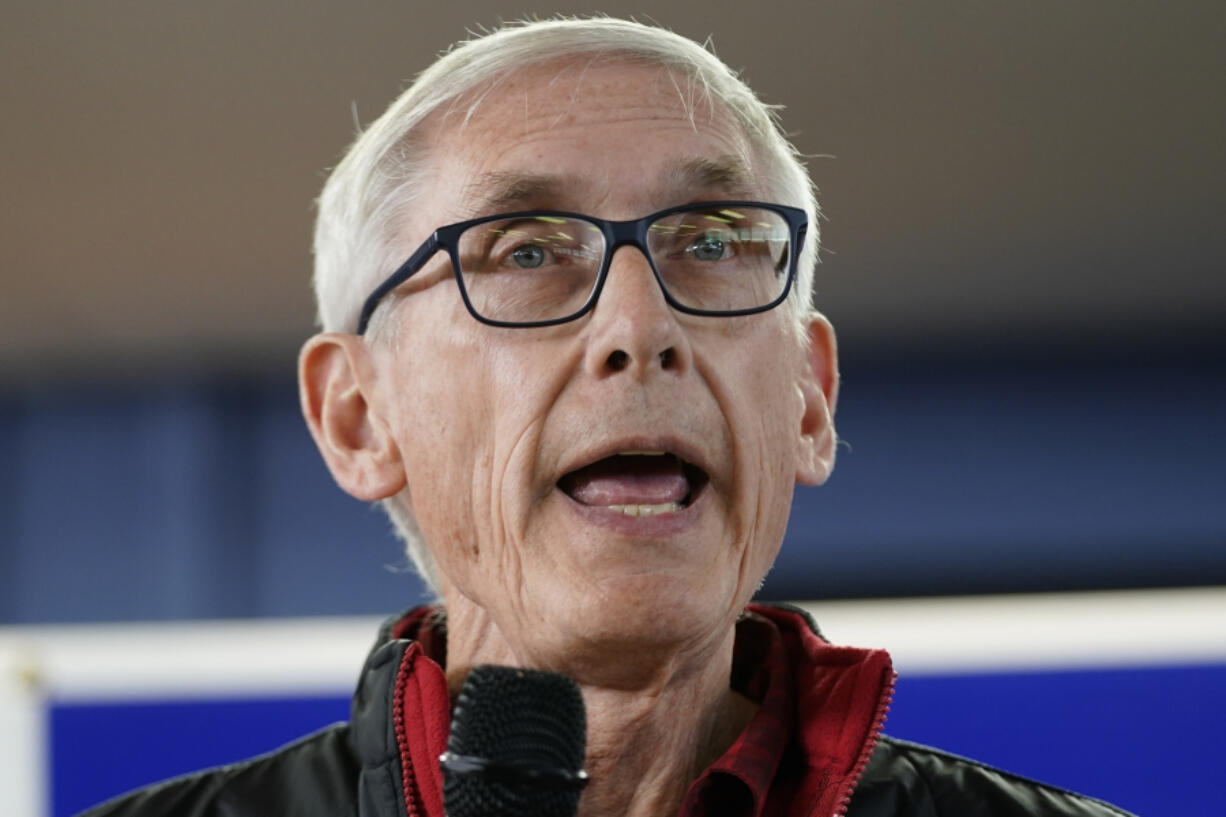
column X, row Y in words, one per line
column 507, row 190
column 502, row 190
column 725, row 175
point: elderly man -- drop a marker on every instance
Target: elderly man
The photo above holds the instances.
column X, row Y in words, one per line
column 565, row 286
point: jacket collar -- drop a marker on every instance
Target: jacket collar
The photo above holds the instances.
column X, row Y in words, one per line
column 401, row 714
column 399, row 724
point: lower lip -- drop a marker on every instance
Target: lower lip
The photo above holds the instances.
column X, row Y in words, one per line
column 660, row 525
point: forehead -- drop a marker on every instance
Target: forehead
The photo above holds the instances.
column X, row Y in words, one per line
column 607, row 136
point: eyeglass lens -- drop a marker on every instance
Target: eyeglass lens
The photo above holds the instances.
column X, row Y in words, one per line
column 543, row 267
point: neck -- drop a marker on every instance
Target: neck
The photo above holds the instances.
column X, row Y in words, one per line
column 655, row 718
column 646, row 748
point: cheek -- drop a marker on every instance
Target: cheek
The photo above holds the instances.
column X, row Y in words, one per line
column 781, row 419
column 470, row 426
column 443, row 449
column 777, row 407
column 442, row 417
column 764, row 412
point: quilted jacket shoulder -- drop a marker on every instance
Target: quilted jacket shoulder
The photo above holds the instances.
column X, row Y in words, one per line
column 318, row 776
column 315, row 775
column 905, row 778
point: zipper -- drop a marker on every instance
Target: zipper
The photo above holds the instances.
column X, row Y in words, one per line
column 411, row 805
column 866, row 751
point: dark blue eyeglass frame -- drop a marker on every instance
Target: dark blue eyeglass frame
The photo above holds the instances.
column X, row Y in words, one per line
column 616, row 234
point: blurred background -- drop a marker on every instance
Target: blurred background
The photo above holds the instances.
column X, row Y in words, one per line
column 1023, row 255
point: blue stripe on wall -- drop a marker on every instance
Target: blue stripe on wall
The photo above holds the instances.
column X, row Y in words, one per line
column 101, row 750
column 1146, row 739
column 208, row 499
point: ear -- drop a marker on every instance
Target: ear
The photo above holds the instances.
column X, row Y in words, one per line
column 819, row 389
column 336, row 386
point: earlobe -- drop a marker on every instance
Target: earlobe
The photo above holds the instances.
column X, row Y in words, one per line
column 336, row 390
column 818, row 384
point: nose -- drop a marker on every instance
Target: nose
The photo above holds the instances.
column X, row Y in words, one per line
column 633, row 329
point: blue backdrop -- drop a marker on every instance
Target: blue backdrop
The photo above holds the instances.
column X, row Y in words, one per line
column 1146, row 739
column 980, row 473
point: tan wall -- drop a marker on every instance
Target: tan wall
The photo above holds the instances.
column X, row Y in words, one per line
column 997, row 167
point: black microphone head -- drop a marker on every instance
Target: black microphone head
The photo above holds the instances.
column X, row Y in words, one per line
column 517, row 743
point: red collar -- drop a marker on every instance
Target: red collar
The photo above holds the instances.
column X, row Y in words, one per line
column 820, row 712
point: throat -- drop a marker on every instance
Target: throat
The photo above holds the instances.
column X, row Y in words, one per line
column 647, row 768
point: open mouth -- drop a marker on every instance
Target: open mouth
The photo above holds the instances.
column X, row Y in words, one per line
column 636, row 483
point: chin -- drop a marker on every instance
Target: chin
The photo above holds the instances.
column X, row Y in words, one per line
column 645, row 608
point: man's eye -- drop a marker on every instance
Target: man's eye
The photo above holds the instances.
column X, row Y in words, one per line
column 528, row 256
column 708, row 248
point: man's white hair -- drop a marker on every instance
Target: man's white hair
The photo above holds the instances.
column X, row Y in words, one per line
column 372, row 187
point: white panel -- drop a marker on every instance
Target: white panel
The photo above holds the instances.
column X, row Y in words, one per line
column 309, row 655
column 301, row 656
column 23, row 746
column 305, row 656
column 1045, row 631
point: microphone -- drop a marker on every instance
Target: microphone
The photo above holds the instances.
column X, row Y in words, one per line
column 517, row 744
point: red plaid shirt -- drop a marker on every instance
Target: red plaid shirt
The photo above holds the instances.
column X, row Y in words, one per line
column 820, row 711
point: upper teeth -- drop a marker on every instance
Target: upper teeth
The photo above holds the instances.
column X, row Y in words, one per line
column 646, row 510
column 643, row 453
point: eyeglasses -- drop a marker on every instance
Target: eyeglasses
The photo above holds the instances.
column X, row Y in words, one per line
column 541, row 267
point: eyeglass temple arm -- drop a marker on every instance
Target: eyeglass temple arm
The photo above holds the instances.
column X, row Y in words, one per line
column 406, row 270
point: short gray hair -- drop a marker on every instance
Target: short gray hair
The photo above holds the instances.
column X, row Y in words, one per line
column 370, row 189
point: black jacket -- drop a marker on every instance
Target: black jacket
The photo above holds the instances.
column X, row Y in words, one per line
column 358, row 770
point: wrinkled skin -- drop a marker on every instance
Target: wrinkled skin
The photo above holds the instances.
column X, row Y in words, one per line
column 478, row 423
